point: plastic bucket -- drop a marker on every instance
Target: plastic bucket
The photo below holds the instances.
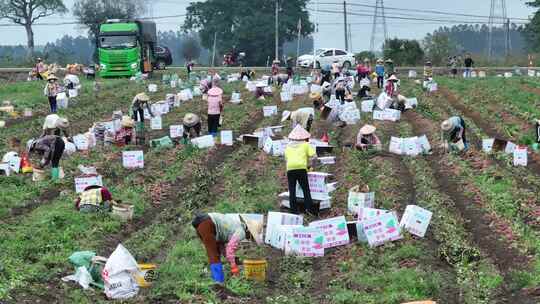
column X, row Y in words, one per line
column 123, row 211
column 146, row 275
column 38, row 175
column 255, row 269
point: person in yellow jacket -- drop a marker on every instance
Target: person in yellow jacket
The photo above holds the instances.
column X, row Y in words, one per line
column 297, row 155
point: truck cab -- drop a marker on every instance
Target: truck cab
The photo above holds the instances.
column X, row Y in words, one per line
column 126, row 47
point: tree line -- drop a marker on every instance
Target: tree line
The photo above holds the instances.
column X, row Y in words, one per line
column 250, row 30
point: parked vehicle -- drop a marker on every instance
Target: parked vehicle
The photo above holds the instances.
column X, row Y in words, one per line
column 126, row 47
column 163, row 57
column 327, row 56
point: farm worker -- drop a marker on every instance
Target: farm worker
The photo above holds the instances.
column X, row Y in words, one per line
column 290, row 67
column 326, row 89
column 453, row 129
column 55, row 125
column 302, row 117
column 51, row 90
column 341, row 89
column 94, row 198
column 316, row 77
column 221, row 234
column 365, row 87
column 192, row 126
column 389, row 68
column 41, row 69
column 336, row 69
column 215, row 107
column 366, row 138
column 259, row 90
column 275, row 67
column 469, row 63
column 125, row 134
column 297, row 156
column 189, row 67
column 428, row 71
column 537, row 128
column 392, row 91
column 51, row 147
column 317, row 99
column 379, row 70
column 139, row 103
column 453, row 66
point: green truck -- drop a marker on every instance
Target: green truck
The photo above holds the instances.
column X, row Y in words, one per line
column 126, row 47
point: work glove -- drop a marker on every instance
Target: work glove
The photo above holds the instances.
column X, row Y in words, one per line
column 235, row 270
column 217, row 273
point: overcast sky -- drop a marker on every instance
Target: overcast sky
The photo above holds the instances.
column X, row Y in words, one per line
column 331, row 32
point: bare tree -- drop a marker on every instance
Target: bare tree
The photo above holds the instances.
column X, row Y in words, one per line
column 27, row 12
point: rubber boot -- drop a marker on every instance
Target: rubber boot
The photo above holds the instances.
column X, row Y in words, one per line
column 139, row 130
column 55, row 174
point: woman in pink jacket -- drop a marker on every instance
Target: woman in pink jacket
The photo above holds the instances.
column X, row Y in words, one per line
column 215, row 107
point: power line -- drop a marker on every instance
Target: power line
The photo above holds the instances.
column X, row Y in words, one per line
column 424, row 11
column 77, row 23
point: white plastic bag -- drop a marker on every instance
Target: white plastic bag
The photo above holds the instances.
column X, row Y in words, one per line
column 118, row 274
column 62, row 100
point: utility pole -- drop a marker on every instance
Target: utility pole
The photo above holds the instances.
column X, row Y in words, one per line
column 345, row 25
column 350, row 38
column 379, row 13
column 497, row 15
column 316, row 32
column 507, row 40
column 277, row 30
column 214, row 51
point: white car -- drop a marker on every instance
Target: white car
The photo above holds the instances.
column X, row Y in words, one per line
column 326, row 57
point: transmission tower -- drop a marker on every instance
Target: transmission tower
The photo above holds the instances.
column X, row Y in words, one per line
column 497, row 16
column 379, row 19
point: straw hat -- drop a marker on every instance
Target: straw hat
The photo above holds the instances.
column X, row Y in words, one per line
column 299, row 133
column 380, row 60
column 275, row 61
column 366, row 59
column 446, row 125
column 285, row 115
column 254, row 227
column 127, row 122
column 215, row 91
column 52, row 77
column 142, row 97
column 326, row 85
column 389, row 60
column 191, row 119
column 260, row 84
column 367, row 129
column 393, row 78
column 315, row 95
column 63, row 123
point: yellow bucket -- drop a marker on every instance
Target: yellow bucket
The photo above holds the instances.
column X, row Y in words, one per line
column 146, row 276
column 255, row 269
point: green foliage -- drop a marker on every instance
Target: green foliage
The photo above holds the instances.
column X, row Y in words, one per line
column 249, row 27
column 365, row 54
column 27, row 12
column 403, row 51
column 438, row 48
column 91, row 13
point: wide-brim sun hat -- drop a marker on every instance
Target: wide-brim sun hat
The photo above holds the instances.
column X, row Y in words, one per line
column 299, row 133
column 275, row 61
column 315, row 95
column 367, row 129
column 142, row 97
column 380, row 60
column 389, row 60
column 127, row 122
column 366, row 60
column 63, row 123
column 260, row 84
column 285, row 115
column 52, row 77
column 190, row 119
column 254, row 227
column 215, row 91
column 446, row 125
column 393, row 78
